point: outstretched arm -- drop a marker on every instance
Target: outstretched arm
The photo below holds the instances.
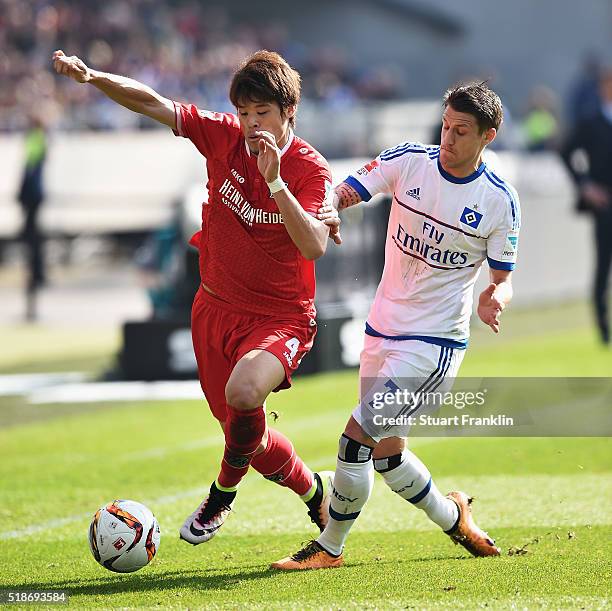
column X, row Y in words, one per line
column 343, row 197
column 125, row 91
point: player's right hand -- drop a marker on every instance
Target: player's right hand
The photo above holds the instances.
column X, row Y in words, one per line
column 72, row 66
column 490, row 307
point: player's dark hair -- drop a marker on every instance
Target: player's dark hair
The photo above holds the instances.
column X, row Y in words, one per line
column 477, row 100
column 266, row 77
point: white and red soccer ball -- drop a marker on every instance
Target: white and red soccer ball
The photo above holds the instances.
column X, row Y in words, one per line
column 124, row 536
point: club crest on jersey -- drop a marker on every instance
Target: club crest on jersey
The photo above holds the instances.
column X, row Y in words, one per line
column 368, row 167
column 470, row 217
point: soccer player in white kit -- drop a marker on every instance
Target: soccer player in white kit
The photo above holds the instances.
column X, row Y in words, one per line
column 449, row 214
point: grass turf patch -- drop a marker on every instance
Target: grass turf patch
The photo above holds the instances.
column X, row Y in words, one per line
column 548, row 500
column 404, row 568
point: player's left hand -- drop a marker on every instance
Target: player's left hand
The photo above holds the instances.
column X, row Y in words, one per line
column 490, row 307
column 268, row 159
column 329, row 215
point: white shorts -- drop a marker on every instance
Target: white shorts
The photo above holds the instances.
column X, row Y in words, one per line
column 403, row 376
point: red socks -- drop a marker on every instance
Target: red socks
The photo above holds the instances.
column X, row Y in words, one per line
column 244, row 430
column 279, row 463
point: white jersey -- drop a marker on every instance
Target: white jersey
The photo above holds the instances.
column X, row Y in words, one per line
column 441, row 229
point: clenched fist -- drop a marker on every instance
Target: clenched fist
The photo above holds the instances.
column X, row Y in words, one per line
column 71, row 66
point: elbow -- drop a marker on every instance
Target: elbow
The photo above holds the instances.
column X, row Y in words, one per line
column 314, row 252
column 314, row 245
column 318, row 246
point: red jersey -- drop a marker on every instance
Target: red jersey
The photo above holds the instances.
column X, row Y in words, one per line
column 246, row 255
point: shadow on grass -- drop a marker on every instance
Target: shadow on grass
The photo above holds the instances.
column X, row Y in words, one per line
column 202, row 579
column 193, row 579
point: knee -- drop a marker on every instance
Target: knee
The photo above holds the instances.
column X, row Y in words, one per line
column 390, row 446
column 243, row 394
column 261, row 448
column 350, row 450
column 354, row 431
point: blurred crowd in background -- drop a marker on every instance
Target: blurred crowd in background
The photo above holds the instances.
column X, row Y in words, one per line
column 188, row 51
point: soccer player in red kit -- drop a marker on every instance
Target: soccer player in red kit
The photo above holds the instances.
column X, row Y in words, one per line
column 253, row 317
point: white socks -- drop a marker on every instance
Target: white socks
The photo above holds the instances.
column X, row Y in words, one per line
column 404, row 473
column 407, row 476
column 352, row 487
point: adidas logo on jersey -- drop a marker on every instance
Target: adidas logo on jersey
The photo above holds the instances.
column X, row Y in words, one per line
column 416, row 193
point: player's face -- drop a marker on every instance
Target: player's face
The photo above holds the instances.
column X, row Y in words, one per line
column 263, row 117
column 461, row 143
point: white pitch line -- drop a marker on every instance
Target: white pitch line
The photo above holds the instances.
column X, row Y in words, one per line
column 301, row 424
column 163, row 451
column 159, row 452
column 18, row 384
column 95, row 392
column 166, row 499
column 32, row 530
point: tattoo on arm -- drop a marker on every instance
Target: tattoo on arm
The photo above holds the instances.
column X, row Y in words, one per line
column 347, row 196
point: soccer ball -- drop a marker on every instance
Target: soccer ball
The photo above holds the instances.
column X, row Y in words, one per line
column 124, row 536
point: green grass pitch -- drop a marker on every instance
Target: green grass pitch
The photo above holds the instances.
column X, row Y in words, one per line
column 547, row 500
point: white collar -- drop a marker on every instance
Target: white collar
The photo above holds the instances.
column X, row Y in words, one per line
column 288, row 143
column 283, row 150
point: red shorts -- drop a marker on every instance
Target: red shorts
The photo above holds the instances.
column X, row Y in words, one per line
column 222, row 334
